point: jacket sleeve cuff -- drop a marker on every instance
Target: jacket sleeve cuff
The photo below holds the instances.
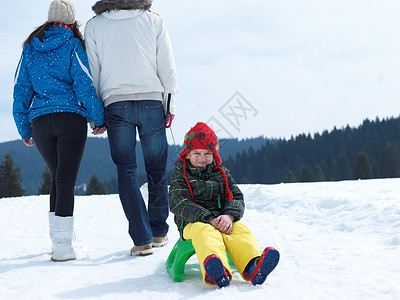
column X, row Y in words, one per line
column 27, row 134
column 208, row 217
column 98, row 122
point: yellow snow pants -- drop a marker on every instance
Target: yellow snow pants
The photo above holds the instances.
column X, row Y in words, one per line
column 241, row 245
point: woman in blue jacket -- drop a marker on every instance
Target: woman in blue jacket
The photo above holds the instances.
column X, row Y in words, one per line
column 54, row 99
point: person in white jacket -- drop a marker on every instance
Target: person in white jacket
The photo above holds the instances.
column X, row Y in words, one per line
column 133, row 68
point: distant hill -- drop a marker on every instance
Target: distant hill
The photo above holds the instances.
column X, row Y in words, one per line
column 97, row 160
column 371, row 150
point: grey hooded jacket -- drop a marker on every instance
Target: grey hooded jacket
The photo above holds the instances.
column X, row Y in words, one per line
column 130, row 53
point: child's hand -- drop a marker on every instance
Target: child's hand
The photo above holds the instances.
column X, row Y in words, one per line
column 219, row 225
column 213, row 223
column 224, row 223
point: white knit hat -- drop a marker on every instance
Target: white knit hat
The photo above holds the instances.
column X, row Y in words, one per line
column 61, row 11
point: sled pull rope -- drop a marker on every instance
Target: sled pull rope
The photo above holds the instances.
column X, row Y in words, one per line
column 173, row 139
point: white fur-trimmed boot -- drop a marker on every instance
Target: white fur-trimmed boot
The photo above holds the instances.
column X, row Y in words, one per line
column 51, row 230
column 62, row 239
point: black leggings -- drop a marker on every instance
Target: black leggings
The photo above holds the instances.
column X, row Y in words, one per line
column 60, row 139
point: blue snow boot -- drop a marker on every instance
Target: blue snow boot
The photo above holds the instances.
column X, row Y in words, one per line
column 215, row 270
column 264, row 265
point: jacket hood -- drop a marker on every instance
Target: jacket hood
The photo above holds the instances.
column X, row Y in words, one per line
column 53, row 38
column 122, row 14
column 108, row 5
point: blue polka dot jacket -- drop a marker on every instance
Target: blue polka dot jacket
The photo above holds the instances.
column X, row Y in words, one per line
column 53, row 76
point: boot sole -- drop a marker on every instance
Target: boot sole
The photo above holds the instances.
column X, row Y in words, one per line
column 142, row 252
column 61, row 260
column 215, row 269
column 268, row 261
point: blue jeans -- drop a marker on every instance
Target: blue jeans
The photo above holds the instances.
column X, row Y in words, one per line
column 122, row 120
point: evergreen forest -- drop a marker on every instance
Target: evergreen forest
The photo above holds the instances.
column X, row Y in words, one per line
column 370, row 151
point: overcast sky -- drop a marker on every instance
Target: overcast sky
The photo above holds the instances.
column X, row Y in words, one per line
column 251, row 68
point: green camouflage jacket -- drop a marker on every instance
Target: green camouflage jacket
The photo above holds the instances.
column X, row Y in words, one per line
column 208, row 190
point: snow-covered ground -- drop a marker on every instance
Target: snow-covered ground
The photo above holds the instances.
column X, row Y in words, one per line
column 337, row 240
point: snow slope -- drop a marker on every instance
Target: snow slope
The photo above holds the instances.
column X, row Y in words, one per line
column 338, row 240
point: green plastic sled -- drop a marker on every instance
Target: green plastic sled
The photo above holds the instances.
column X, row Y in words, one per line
column 178, row 257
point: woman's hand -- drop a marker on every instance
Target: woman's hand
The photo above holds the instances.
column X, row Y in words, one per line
column 99, row 130
column 29, row 141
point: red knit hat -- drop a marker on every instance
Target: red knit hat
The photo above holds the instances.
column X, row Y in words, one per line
column 201, row 136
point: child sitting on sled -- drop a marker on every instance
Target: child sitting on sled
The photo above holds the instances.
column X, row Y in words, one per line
column 208, row 206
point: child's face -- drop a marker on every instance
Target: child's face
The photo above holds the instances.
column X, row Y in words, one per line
column 200, row 157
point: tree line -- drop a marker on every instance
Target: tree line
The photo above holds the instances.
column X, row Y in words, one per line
column 11, row 181
column 369, row 151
